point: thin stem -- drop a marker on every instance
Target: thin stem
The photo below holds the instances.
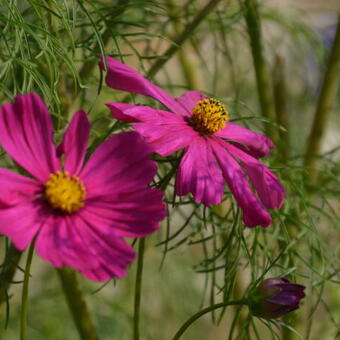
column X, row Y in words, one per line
column 117, row 11
column 204, row 311
column 9, row 267
column 280, row 98
column 238, row 291
column 261, row 69
column 24, row 299
column 324, row 106
column 77, row 304
column 182, row 37
column 140, row 261
column 138, row 288
column 186, row 64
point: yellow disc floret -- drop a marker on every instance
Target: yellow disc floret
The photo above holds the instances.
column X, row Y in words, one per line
column 65, row 193
column 209, row 116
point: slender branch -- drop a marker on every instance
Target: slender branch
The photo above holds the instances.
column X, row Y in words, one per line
column 89, row 65
column 261, row 69
column 138, row 288
column 280, row 98
column 182, row 37
column 140, row 262
column 204, row 311
column 187, row 66
column 24, row 300
column 9, row 267
column 77, row 304
column 324, row 106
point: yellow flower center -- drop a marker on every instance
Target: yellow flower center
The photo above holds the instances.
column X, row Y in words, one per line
column 65, row 193
column 208, row 116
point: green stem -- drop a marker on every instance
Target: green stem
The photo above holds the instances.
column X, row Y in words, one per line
column 118, row 10
column 187, row 66
column 324, row 106
column 77, row 304
column 138, row 288
column 204, row 311
column 287, row 333
column 182, row 37
column 9, row 267
column 238, row 292
column 24, row 299
column 140, row 261
column 261, row 69
column 280, row 99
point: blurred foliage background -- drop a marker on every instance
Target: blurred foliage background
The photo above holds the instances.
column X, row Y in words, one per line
column 200, row 256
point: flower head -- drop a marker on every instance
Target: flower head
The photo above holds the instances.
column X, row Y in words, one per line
column 78, row 213
column 208, row 116
column 215, row 150
column 275, row 297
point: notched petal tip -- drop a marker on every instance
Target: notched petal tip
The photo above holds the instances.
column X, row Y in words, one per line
column 252, row 220
column 26, row 133
column 253, row 143
column 74, row 143
column 254, row 213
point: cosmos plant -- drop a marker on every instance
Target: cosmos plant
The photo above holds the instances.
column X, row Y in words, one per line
column 194, row 182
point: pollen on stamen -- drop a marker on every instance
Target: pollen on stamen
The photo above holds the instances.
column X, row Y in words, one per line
column 64, row 193
column 209, row 116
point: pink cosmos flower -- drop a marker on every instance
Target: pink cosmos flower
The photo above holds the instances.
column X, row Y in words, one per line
column 214, row 150
column 77, row 213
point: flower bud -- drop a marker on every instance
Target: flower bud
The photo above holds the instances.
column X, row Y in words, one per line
column 275, row 297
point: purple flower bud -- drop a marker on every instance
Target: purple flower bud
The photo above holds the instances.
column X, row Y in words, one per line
column 275, row 297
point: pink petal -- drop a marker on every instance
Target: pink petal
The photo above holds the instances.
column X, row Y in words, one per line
column 118, row 109
column 71, row 241
column 251, row 142
column 22, row 221
column 60, row 243
column 267, row 185
column 121, row 162
column 253, row 212
column 189, row 100
column 138, row 113
column 199, row 174
column 121, row 77
column 111, row 255
column 74, row 143
column 127, row 214
column 26, row 134
column 16, row 188
column 164, row 131
column 167, row 139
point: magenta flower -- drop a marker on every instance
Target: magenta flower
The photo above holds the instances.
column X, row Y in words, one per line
column 78, row 214
column 275, row 297
column 214, row 149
